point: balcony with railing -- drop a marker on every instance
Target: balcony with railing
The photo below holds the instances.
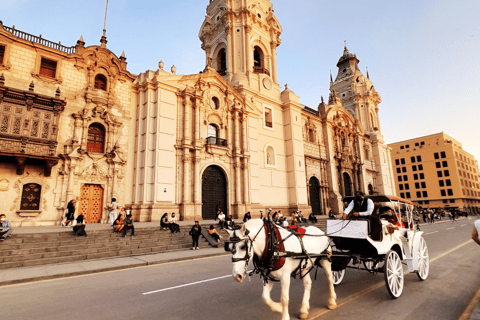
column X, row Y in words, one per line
column 214, row 141
column 37, row 39
column 261, row 70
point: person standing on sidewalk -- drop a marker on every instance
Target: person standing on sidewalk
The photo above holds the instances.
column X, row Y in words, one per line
column 112, row 211
column 195, row 232
column 70, row 213
column 5, row 228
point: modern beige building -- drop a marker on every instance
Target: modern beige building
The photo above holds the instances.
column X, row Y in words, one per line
column 434, row 171
column 75, row 124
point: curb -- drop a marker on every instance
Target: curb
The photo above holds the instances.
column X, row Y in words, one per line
column 472, row 306
column 87, row 272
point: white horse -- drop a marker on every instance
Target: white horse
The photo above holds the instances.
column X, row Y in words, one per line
column 252, row 241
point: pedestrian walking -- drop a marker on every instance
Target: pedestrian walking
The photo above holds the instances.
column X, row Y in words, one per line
column 195, row 232
column 70, row 213
column 112, row 211
column 454, row 218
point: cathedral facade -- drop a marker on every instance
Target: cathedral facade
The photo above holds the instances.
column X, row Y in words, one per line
column 77, row 125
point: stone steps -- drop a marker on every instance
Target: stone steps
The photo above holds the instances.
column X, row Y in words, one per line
column 27, row 250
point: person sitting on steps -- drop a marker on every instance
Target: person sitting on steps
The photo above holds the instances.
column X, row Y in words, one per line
column 128, row 225
column 174, row 227
column 79, row 228
column 119, row 222
column 164, row 222
column 5, row 227
column 214, row 233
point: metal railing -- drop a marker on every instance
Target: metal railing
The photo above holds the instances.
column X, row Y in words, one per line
column 38, row 39
column 216, row 141
column 261, row 70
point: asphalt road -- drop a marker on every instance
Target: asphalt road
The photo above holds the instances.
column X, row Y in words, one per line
column 204, row 289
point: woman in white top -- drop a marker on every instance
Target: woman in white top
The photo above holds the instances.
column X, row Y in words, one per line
column 112, row 211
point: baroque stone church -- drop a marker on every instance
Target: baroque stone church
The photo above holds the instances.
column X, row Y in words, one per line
column 75, row 124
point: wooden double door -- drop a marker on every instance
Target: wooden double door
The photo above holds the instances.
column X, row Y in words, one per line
column 91, row 203
column 214, row 192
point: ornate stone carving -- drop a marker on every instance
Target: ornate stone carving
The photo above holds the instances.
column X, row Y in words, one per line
column 4, row 183
column 18, row 189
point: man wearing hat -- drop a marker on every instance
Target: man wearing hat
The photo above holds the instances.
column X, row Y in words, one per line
column 360, row 207
column 129, row 225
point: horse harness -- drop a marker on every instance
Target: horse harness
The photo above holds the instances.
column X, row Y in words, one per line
column 274, row 254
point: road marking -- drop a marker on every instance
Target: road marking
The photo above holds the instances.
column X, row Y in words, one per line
column 186, row 285
column 379, row 285
column 450, row 228
column 431, row 232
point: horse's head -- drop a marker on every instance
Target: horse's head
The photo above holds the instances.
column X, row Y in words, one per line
column 240, row 245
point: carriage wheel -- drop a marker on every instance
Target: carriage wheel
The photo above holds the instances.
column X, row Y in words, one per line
column 393, row 271
column 423, row 260
column 338, row 277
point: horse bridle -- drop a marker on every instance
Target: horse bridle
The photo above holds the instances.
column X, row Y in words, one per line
column 235, row 240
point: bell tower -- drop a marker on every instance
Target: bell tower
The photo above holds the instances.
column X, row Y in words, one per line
column 240, row 39
column 356, row 91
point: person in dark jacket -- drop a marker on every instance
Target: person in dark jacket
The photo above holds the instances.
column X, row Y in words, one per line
column 164, row 222
column 247, row 216
column 312, row 218
column 128, row 225
column 79, row 229
column 69, row 214
column 195, row 232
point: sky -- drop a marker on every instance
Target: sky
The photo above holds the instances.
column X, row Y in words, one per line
column 422, row 55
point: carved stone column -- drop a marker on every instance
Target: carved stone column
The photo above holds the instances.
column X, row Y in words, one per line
column 186, row 177
column 198, row 181
column 197, row 120
column 273, row 45
column 246, row 198
column 248, row 50
column 187, row 128
column 71, row 181
column 230, row 51
column 114, row 184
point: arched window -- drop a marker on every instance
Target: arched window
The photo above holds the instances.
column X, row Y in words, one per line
column 259, row 61
column 212, row 131
column 222, row 62
column 370, row 189
column 257, row 57
column 96, row 138
column 101, row 82
column 215, row 103
column 31, row 197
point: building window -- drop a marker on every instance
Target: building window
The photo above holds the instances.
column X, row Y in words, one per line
column 401, row 148
column 407, row 186
column 101, row 82
column 407, row 146
column 402, row 195
column 405, row 178
column 417, row 185
column 443, row 193
column 259, row 61
column 401, row 187
column 31, row 197
column 311, row 137
column 412, row 159
column 420, row 202
column 415, row 176
column 215, row 104
column 438, row 165
column 441, row 183
column 448, row 182
column 425, row 194
column 446, row 173
column 461, row 182
column 48, row 68
column 268, row 117
column 408, row 195
column 96, row 138
column 397, row 162
column 422, row 176
column 402, row 161
column 436, row 155
column 419, row 194
column 444, row 164
column 404, row 169
column 450, row 192
column 452, row 200
column 417, row 144
column 443, row 155
column 399, row 170
column 212, row 131
column 420, row 167
column 2, row 54
column 399, row 178
column 439, row 174
column 445, row 201
column 419, row 158
column 222, row 62
column 424, row 185
column 414, row 168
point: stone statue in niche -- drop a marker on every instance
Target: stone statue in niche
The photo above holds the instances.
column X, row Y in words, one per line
column 4, row 184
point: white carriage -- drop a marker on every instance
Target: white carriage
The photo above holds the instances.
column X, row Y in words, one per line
column 382, row 247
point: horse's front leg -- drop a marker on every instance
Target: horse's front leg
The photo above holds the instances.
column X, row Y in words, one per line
column 305, row 309
column 267, row 289
column 285, row 281
column 327, row 268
